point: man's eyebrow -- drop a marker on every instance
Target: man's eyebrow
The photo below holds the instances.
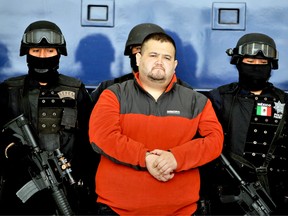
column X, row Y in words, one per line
column 154, row 52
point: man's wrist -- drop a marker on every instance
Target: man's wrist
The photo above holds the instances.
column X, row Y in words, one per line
column 147, row 154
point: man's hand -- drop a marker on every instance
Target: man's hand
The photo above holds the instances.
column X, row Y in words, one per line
column 165, row 163
column 159, row 164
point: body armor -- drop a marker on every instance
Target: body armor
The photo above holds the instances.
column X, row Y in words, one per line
column 265, row 119
column 52, row 110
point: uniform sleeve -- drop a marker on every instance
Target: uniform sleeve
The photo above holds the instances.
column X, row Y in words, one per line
column 84, row 108
column 203, row 148
column 4, row 99
column 215, row 98
column 95, row 94
column 84, row 158
column 106, row 136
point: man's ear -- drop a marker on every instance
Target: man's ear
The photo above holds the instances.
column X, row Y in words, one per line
column 138, row 58
column 176, row 63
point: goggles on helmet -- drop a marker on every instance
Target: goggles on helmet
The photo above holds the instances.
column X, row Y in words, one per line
column 254, row 48
column 36, row 36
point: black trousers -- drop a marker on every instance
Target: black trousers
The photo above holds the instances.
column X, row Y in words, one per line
column 103, row 209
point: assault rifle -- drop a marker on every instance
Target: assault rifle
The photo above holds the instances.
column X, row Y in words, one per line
column 47, row 162
column 253, row 198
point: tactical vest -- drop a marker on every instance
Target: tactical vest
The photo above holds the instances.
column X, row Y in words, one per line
column 251, row 122
column 267, row 113
column 51, row 110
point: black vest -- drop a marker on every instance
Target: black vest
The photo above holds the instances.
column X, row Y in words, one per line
column 238, row 117
column 51, row 109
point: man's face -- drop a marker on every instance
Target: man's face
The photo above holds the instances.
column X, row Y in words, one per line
column 156, row 62
column 43, row 52
column 255, row 61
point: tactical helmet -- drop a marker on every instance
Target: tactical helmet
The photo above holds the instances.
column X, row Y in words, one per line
column 43, row 34
column 254, row 44
column 138, row 33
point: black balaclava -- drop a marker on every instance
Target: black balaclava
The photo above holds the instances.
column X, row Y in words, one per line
column 253, row 77
column 133, row 62
column 43, row 69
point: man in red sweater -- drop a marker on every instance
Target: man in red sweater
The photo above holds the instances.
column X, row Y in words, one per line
column 152, row 134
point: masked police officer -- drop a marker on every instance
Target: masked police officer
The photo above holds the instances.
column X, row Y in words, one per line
column 251, row 112
column 58, row 108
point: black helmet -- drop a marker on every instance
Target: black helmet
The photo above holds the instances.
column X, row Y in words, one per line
column 255, row 44
column 43, row 34
column 138, row 33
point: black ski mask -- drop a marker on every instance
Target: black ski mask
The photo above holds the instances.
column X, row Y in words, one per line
column 43, row 69
column 133, row 62
column 254, row 77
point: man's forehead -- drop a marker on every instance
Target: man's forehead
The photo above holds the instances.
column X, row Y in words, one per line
column 158, row 46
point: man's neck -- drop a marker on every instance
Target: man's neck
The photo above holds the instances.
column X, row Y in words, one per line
column 156, row 92
column 42, row 83
column 256, row 92
column 153, row 87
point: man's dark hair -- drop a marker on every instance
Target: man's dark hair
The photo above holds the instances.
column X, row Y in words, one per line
column 159, row 36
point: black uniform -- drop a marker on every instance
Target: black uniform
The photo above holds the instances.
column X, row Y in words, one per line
column 59, row 114
column 250, row 122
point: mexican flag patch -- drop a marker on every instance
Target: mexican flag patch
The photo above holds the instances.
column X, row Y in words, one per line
column 264, row 110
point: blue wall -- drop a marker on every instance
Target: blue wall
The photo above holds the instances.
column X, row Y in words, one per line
column 95, row 53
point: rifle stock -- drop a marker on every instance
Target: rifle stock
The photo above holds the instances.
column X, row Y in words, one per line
column 46, row 178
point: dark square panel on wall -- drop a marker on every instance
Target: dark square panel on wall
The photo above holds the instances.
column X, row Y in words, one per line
column 228, row 16
column 97, row 13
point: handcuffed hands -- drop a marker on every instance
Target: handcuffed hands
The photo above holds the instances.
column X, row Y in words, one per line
column 161, row 164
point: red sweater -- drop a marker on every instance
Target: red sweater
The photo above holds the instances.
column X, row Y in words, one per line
column 127, row 122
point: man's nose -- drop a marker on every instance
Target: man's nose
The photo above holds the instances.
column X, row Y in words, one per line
column 42, row 53
column 159, row 60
